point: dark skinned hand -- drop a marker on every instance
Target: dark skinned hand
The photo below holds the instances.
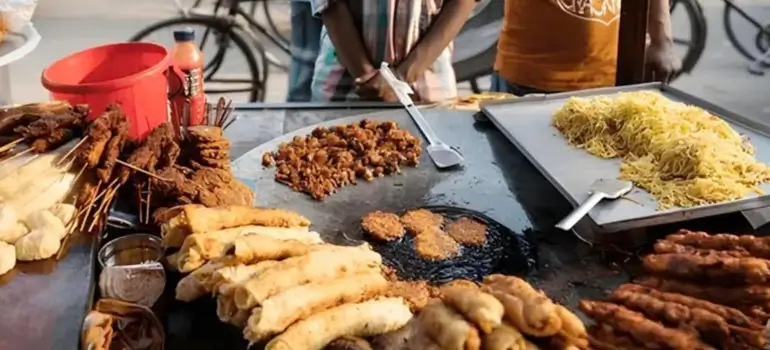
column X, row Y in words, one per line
column 661, row 61
column 376, row 89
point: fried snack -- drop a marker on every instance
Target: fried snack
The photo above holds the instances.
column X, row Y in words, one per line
column 648, row 333
column 96, row 333
column 37, row 245
column 573, row 331
column 199, row 219
column 254, row 248
column 730, row 296
column 505, row 337
column 7, row 257
column 447, row 328
column 483, row 309
column 224, row 279
column 365, row 319
column 732, row 316
column 604, row 337
column 436, row 245
column 664, row 247
column 349, row 343
column 418, row 221
column 331, row 158
column 318, row 266
column 11, row 234
column 757, row 246
column 710, row 326
column 466, row 230
column 410, row 337
column 526, row 308
column 228, row 313
column 44, row 220
column 711, row 267
column 278, row 312
column 200, row 247
column 194, row 285
column 383, row 226
column 65, row 212
column 416, row 293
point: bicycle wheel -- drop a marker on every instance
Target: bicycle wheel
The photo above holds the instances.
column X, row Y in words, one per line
column 762, row 35
column 698, row 27
column 271, row 23
column 226, row 34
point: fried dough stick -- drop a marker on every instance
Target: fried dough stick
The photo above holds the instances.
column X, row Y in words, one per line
column 604, row 337
column 112, row 149
column 96, row 136
column 756, row 246
column 36, row 108
column 483, row 309
column 664, row 247
column 730, row 296
column 710, row 326
column 52, row 141
column 710, row 267
column 526, row 308
column 48, row 124
column 648, row 333
column 732, row 316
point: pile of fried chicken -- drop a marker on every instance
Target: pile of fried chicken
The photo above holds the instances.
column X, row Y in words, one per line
column 331, row 158
column 701, row 291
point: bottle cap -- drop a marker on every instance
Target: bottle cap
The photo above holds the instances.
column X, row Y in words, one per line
column 186, row 34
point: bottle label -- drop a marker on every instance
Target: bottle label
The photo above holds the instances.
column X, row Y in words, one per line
column 193, row 82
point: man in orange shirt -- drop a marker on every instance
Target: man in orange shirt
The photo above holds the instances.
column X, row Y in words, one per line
column 564, row 45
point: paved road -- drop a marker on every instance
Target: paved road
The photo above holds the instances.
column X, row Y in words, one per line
column 68, row 26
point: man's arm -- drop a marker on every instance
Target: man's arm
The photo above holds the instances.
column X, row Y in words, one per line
column 345, row 37
column 451, row 18
column 659, row 22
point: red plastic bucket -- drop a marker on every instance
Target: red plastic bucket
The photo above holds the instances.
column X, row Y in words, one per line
column 131, row 74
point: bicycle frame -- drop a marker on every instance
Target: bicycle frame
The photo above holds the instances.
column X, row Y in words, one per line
column 731, row 4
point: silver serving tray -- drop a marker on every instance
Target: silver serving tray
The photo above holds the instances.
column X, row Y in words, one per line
column 526, row 122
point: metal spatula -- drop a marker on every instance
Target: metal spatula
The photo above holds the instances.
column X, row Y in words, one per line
column 442, row 154
column 600, row 189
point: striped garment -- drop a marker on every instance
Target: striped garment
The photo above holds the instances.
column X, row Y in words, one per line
column 305, row 42
column 389, row 28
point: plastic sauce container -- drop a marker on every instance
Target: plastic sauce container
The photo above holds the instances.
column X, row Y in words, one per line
column 185, row 79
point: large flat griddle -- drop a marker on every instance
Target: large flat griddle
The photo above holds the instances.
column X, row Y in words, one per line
column 526, row 122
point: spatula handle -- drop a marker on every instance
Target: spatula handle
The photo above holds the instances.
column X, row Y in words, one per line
column 572, row 219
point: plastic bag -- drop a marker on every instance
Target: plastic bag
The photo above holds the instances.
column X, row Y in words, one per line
column 16, row 13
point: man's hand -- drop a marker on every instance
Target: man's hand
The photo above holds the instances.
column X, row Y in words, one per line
column 662, row 64
column 376, row 89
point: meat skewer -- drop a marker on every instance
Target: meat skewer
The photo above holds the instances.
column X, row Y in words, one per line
column 710, row 267
column 665, row 246
column 757, row 246
column 735, row 296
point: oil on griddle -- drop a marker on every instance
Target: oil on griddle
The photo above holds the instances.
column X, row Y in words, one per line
column 503, row 251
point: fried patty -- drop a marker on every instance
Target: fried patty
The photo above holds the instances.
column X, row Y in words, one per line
column 435, row 245
column 419, row 221
column 383, row 226
column 466, row 230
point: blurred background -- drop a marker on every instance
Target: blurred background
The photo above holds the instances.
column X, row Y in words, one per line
column 66, row 26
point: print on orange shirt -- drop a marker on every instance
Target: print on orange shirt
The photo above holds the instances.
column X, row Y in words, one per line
column 559, row 45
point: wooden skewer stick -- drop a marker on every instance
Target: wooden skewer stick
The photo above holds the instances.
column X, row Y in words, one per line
column 147, row 206
column 132, row 167
column 104, row 206
column 91, row 203
column 17, row 155
column 8, row 146
column 72, row 150
column 70, row 232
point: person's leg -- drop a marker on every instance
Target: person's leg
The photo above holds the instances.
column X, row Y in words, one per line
column 499, row 84
column 305, row 42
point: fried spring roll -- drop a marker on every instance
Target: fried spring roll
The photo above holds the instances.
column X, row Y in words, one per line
column 226, row 278
column 228, row 313
column 192, row 219
column 365, row 319
column 200, row 247
column 255, row 248
column 526, row 308
column 448, row 328
column 573, row 331
column 278, row 312
column 481, row 308
column 318, row 266
column 193, row 286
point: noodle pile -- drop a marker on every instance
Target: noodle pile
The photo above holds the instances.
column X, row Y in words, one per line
column 682, row 155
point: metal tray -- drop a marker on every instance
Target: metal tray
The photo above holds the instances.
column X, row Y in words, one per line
column 526, row 122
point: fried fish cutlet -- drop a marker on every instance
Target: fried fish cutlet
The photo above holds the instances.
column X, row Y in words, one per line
column 383, row 226
column 436, row 245
column 466, row 230
column 421, row 220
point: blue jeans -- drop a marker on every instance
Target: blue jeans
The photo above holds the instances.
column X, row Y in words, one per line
column 499, row 84
column 305, row 44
